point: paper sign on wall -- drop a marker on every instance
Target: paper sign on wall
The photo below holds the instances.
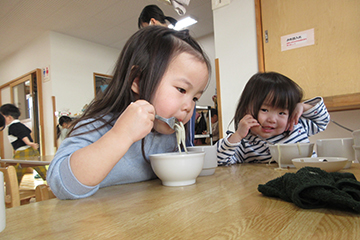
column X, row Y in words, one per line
column 297, row 40
column 46, row 73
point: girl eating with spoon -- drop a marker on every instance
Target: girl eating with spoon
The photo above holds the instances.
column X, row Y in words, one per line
column 270, row 111
column 160, row 71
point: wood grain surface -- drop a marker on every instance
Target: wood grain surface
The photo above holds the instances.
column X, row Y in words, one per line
column 225, row 205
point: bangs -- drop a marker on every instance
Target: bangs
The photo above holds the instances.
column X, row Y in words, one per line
column 277, row 100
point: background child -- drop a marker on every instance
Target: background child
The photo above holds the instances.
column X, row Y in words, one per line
column 20, row 139
column 153, row 15
column 2, row 122
column 64, row 123
column 160, row 71
column 270, row 111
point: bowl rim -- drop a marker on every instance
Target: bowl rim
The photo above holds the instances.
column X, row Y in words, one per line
column 325, row 139
column 182, row 154
column 291, row 144
column 332, row 159
column 201, row 146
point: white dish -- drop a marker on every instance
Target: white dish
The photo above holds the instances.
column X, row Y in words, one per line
column 287, row 152
column 328, row 164
column 177, row 169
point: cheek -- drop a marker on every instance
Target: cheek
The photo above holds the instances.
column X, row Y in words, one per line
column 187, row 119
column 283, row 123
column 260, row 118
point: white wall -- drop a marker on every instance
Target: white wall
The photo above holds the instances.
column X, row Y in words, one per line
column 235, row 46
column 34, row 55
column 207, row 43
column 73, row 62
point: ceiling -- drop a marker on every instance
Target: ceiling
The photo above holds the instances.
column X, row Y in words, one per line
column 106, row 22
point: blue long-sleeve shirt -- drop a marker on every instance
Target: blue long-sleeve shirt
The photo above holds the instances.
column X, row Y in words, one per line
column 130, row 168
column 254, row 149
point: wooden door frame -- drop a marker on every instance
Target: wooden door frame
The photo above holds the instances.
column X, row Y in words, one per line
column 218, row 98
column 333, row 103
column 259, row 36
column 38, row 74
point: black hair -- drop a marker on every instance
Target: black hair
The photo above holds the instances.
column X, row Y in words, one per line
column 153, row 11
column 213, row 112
column 2, row 122
column 272, row 88
column 146, row 56
column 62, row 120
column 10, row 110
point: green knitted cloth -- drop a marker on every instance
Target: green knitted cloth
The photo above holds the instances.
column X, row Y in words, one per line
column 314, row 188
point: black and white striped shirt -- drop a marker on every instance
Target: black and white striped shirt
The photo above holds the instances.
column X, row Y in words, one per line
column 254, row 149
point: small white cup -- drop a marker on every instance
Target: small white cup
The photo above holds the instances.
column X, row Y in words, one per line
column 336, row 147
column 210, row 162
column 2, row 203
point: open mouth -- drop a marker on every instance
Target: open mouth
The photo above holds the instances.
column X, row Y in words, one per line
column 267, row 129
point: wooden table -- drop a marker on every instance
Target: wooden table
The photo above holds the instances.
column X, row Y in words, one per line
column 29, row 161
column 225, row 205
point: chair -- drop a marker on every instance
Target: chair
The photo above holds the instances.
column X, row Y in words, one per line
column 43, row 192
column 13, row 195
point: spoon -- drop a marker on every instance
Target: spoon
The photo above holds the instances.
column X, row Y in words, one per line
column 169, row 121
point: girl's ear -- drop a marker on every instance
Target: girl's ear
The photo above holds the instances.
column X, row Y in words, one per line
column 135, row 85
column 152, row 21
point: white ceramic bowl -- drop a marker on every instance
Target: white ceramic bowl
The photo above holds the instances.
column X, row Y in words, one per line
column 356, row 136
column 328, row 164
column 210, row 162
column 336, row 147
column 357, row 153
column 177, row 169
column 287, row 152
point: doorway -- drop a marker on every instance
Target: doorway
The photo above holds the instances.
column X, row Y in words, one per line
column 25, row 93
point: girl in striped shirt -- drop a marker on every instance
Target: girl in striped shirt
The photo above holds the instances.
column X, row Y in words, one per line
column 270, row 111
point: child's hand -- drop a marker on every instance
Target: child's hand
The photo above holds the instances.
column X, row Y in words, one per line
column 294, row 119
column 34, row 145
column 31, row 144
column 136, row 121
column 298, row 111
column 244, row 126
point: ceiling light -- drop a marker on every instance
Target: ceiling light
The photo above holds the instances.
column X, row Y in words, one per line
column 184, row 23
